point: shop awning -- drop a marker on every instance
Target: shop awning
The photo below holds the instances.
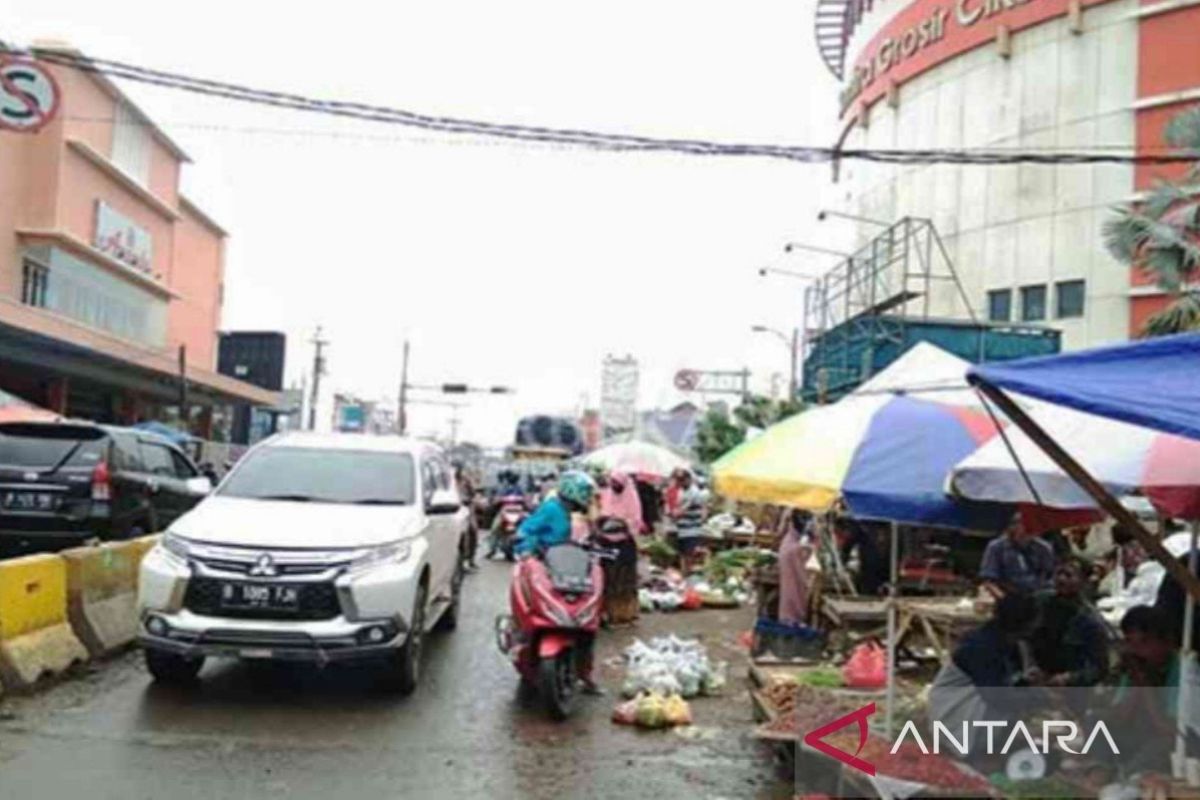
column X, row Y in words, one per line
column 1154, row 383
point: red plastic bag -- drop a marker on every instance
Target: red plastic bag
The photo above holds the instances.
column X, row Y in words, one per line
column 691, row 600
column 867, row 667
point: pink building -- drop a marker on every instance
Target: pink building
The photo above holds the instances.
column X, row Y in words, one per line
column 107, row 272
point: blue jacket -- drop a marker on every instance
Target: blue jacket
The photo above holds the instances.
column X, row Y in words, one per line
column 548, row 525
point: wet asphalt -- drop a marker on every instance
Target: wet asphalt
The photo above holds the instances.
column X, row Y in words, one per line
column 255, row 731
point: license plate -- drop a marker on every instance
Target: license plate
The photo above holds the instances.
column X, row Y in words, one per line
column 30, row 501
column 273, row 597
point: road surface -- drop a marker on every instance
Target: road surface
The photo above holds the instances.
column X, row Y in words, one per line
column 252, row 731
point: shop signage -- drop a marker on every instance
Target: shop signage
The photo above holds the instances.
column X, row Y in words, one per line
column 943, row 21
column 119, row 237
column 713, row 381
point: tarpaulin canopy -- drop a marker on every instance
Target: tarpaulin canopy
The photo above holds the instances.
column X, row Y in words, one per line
column 1153, row 382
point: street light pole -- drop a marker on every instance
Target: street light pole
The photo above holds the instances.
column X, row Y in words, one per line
column 401, row 410
column 792, row 344
column 318, row 370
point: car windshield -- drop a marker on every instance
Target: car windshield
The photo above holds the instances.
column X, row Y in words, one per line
column 303, row 474
column 50, row 446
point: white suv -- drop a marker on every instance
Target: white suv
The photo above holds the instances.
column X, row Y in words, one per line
column 315, row 547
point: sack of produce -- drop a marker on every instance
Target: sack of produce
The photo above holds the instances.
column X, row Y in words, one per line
column 650, row 711
column 676, row 711
column 867, row 667
column 625, row 713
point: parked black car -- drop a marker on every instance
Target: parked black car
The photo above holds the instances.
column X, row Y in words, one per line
column 63, row 483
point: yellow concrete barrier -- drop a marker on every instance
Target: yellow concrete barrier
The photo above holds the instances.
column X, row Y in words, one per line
column 35, row 638
column 141, row 546
column 102, row 595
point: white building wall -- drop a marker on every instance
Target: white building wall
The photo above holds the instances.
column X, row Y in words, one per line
column 1012, row 226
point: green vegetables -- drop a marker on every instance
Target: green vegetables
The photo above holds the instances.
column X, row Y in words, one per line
column 736, row 563
column 821, row 678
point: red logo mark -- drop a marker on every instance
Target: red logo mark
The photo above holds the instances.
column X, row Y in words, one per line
column 814, row 739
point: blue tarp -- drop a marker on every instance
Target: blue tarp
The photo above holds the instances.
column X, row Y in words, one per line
column 1154, row 382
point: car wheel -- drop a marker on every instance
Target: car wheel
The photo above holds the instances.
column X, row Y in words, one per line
column 405, row 666
column 556, row 684
column 449, row 619
column 173, row 669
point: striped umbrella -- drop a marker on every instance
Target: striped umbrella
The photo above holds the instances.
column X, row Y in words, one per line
column 14, row 409
column 1125, row 457
column 886, row 455
column 642, row 459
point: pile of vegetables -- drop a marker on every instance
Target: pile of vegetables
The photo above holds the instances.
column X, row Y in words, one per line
column 660, row 553
column 736, row 564
column 908, row 763
column 821, row 678
column 652, row 710
column 668, row 665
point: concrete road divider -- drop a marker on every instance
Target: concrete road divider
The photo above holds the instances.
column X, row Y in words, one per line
column 102, row 595
column 141, row 546
column 35, row 638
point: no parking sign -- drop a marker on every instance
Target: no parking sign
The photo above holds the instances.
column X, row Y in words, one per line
column 29, row 95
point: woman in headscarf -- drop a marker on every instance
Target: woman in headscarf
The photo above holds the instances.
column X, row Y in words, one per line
column 620, row 522
column 795, row 549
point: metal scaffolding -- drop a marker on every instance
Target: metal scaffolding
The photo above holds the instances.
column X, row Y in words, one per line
column 867, row 301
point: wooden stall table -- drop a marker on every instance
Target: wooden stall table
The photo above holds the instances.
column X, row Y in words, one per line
column 941, row 620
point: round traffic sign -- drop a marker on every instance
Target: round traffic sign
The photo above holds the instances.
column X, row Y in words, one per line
column 686, row 380
column 29, row 95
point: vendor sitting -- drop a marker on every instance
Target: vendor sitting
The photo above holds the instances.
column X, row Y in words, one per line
column 1017, row 561
column 1071, row 642
column 988, row 661
column 1146, row 703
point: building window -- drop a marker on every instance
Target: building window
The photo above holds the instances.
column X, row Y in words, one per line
column 131, row 144
column 1033, row 303
column 1000, row 305
column 1068, row 298
column 34, row 282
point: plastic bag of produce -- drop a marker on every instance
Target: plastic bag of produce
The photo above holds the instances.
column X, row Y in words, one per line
column 715, row 679
column 650, row 711
column 690, row 680
column 676, row 711
column 867, row 667
column 645, row 601
column 625, row 713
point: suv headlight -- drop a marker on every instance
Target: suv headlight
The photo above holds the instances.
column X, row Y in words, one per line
column 393, row 553
column 176, row 546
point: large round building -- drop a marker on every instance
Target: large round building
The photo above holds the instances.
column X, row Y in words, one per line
column 1025, row 240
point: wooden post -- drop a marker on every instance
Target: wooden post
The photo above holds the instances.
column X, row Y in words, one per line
column 1085, row 481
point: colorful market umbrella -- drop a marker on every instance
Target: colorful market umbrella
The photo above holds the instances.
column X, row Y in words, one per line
column 1126, row 458
column 636, row 458
column 885, row 455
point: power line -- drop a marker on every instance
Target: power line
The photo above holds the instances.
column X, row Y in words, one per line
column 585, row 138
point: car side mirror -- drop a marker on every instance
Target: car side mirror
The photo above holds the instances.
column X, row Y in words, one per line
column 209, row 471
column 443, row 501
column 199, row 485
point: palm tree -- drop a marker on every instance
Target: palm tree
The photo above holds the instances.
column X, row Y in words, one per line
column 1162, row 235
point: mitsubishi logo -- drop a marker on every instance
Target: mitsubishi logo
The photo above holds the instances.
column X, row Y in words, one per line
column 264, row 567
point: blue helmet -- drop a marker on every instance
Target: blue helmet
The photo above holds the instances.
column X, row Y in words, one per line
column 576, row 488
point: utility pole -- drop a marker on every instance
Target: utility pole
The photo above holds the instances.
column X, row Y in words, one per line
column 402, row 411
column 318, row 370
column 793, row 386
column 184, row 406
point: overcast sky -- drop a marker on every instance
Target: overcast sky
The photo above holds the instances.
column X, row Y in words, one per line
column 503, row 263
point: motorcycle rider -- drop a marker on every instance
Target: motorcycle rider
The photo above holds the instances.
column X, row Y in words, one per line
column 549, row 525
column 509, row 492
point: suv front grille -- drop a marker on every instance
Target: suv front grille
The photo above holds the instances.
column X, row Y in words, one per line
column 318, row 601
